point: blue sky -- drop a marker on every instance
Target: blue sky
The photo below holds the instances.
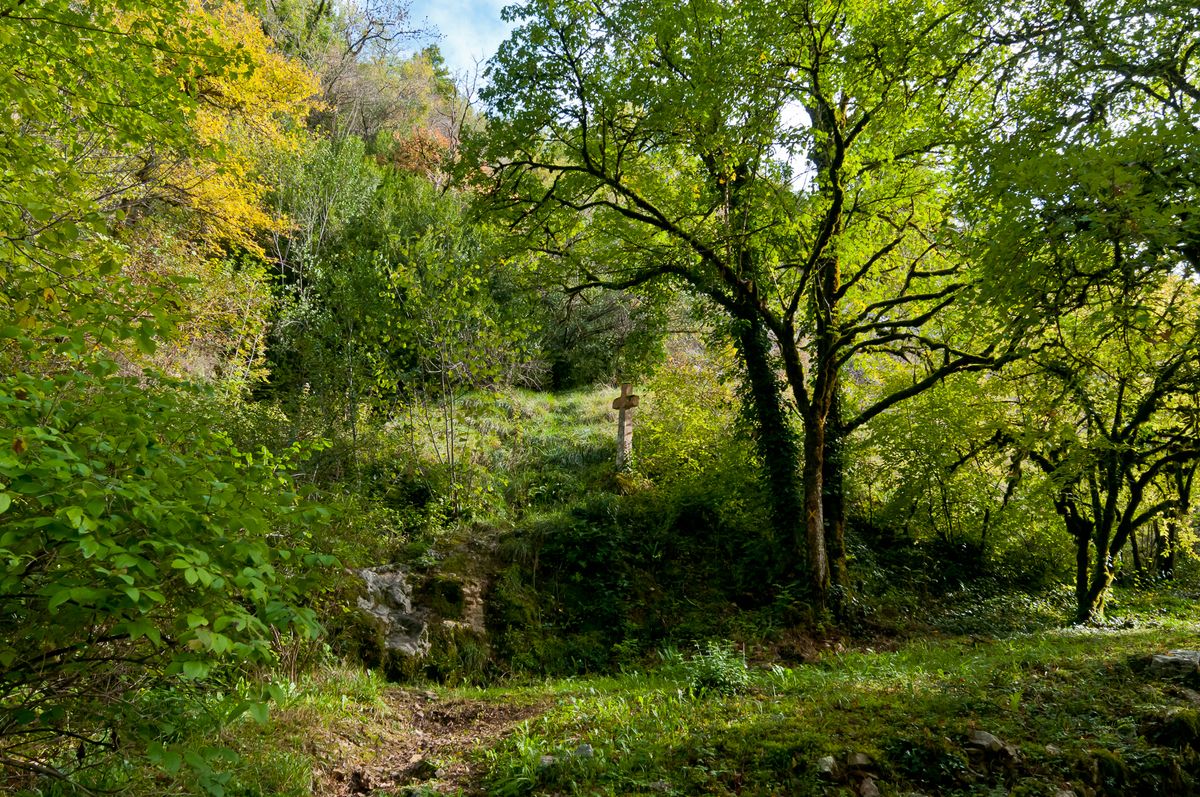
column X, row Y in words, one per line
column 470, row 29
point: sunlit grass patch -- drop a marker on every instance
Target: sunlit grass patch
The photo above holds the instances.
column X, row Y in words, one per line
column 1070, row 703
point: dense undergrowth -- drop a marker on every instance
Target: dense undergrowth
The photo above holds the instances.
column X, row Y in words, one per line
column 1074, row 709
column 604, row 668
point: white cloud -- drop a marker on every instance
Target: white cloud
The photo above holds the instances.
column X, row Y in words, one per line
column 471, row 30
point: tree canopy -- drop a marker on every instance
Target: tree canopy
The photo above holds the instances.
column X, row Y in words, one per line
column 910, row 291
column 793, row 169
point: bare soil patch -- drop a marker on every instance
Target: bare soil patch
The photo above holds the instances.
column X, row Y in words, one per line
column 421, row 739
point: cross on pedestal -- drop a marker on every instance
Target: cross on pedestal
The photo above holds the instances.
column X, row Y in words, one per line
column 624, row 405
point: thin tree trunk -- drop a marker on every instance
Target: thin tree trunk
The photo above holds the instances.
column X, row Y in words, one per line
column 1138, row 568
column 1164, row 550
column 1091, row 608
column 1172, row 547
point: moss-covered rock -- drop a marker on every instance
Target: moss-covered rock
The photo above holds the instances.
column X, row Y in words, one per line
column 443, row 596
column 1178, row 728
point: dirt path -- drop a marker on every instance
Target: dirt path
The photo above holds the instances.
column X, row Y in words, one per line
column 422, row 739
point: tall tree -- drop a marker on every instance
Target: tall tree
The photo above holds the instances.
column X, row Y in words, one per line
column 1089, row 195
column 785, row 161
column 1106, row 409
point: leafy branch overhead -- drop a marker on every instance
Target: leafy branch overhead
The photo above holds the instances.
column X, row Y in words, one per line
column 309, row 345
column 795, row 170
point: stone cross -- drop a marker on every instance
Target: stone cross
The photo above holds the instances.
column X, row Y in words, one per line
column 624, row 405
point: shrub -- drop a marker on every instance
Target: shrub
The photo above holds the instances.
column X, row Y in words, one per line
column 137, row 545
column 717, row 668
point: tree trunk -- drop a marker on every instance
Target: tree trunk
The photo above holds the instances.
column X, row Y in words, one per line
column 1092, row 580
column 775, row 441
column 1135, row 547
column 814, row 506
column 1165, row 554
column 1082, row 533
column 1091, row 603
column 1165, row 547
column 1083, row 544
column 834, row 497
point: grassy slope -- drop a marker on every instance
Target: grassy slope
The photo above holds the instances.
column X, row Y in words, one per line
column 1076, row 705
column 1065, row 700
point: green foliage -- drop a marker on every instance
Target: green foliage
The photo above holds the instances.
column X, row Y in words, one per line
column 321, row 189
column 401, row 298
column 929, row 762
column 154, row 546
column 80, row 269
column 138, row 544
column 1063, row 700
column 595, row 578
column 717, row 668
column 394, row 319
column 1100, row 170
column 1116, row 431
column 560, row 448
column 932, row 475
column 1088, row 236
column 598, row 336
column 59, row 256
column 616, row 575
column 685, row 428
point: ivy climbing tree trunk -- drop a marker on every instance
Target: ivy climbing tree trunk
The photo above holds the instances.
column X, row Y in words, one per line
column 667, row 140
column 775, row 442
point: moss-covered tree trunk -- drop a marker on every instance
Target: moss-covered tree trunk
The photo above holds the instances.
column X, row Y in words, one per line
column 774, row 440
column 814, row 507
column 834, row 483
column 1091, row 596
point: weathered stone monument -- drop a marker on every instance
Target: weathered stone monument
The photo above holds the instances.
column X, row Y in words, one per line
column 624, row 405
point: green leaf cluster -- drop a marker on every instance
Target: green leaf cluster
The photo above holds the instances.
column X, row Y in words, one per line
column 136, row 543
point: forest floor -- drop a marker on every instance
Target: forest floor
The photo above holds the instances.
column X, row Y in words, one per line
column 422, row 736
column 1055, row 713
column 974, row 690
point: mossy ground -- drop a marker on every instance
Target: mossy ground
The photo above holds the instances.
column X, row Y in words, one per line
column 904, row 683
column 1076, row 707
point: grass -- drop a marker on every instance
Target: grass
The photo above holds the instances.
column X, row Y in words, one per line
column 1074, row 707
column 1072, row 703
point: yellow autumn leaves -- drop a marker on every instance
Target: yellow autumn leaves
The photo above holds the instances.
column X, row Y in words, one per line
column 257, row 105
column 253, row 103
